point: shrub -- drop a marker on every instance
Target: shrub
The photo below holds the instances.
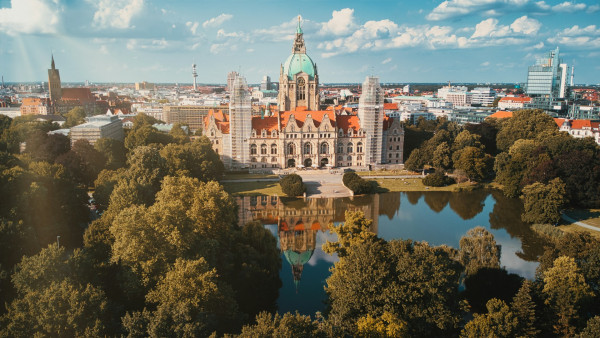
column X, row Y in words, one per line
column 547, row 230
column 348, row 177
column 437, row 179
column 357, row 184
column 292, row 185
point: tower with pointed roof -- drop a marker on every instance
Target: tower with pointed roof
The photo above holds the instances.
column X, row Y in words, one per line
column 54, row 84
column 298, row 79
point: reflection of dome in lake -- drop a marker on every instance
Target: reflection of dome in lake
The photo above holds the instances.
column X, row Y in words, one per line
column 298, row 247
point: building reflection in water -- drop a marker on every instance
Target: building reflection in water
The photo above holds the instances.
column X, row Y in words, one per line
column 299, row 220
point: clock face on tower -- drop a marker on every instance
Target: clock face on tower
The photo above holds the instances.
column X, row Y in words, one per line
column 301, row 82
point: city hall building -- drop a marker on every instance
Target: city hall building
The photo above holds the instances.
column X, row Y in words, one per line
column 298, row 134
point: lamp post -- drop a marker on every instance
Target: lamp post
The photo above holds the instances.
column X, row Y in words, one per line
column 58, row 241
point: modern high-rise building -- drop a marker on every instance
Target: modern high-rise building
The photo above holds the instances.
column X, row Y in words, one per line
column 548, row 77
column 266, row 83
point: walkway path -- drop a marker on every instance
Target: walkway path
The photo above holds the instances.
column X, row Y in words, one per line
column 581, row 224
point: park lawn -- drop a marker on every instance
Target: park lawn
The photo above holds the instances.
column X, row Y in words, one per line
column 253, row 188
column 574, row 228
column 387, row 173
column 587, row 216
column 239, row 176
column 414, row 184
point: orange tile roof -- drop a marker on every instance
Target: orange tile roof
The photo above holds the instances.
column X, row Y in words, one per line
column 301, row 115
column 522, row 99
column 501, row 114
column 268, row 122
column 390, row 106
column 348, row 121
column 559, row 122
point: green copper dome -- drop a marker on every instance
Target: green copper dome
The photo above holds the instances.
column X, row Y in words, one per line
column 297, row 63
column 295, row 258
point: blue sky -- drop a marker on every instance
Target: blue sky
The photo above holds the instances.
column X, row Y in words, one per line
column 400, row 41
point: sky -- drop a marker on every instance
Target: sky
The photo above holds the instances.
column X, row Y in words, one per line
column 482, row 41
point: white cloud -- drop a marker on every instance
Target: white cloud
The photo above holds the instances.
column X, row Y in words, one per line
column 538, row 46
column 580, row 37
column 485, row 64
column 543, row 5
column 30, row 17
column 217, row 48
column 568, row 7
column 575, row 30
column 388, row 60
column 455, row 8
column 341, row 22
column 116, row 13
column 282, row 32
column 193, row 26
column 526, row 26
column 593, row 8
column 217, row 21
column 147, row 44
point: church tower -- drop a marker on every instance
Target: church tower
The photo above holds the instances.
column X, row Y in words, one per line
column 54, row 84
column 371, row 114
column 240, row 117
column 298, row 79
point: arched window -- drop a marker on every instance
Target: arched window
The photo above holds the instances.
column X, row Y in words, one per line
column 212, row 133
column 349, row 132
column 263, row 149
column 273, row 159
column 395, row 131
column 341, row 133
column 274, row 133
column 253, row 133
column 253, row 149
column 349, row 158
column 307, row 148
column 273, row 149
column 264, row 133
column 324, row 148
column 359, row 147
column 264, row 159
column 340, row 148
column 350, row 148
column 253, row 159
column 291, row 149
column 301, row 89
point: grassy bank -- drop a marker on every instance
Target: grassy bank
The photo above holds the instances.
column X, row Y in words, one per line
column 253, row 188
column 242, row 176
column 387, row 173
column 415, row 184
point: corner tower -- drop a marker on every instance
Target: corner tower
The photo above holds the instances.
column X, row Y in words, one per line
column 54, row 84
column 298, row 79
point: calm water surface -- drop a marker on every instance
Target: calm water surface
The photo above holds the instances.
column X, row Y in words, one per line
column 300, row 227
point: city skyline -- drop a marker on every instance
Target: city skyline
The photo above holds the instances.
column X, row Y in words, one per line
column 433, row 41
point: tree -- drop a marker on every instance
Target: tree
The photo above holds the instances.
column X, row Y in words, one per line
column 543, row 202
column 437, row 179
column 416, row 161
column 498, row 322
column 104, row 186
column 179, row 135
column 523, row 308
column 288, row 325
column 388, row 325
column 478, row 249
column 146, row 135
column 292, row 185
column 466, row 139
column 473, row 161
column 488, row 283
column 592, row 329
column 113, row 150
column 88, row 162
column 525, row 124
column 62, row 309
column 190, row 301
column 196, row 159
column 74, row 117
column 564, row 291
column 44, row 147
column 441, row 156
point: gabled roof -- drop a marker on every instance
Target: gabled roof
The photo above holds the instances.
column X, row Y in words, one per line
column 84, row 95
column 346, row 122
column 300, row 115
column 390, row 106
column 269, row 123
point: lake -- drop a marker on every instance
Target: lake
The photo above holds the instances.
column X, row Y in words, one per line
column 436, row 217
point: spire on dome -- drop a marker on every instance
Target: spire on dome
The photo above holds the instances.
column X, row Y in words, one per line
column 299, row 29
column 299, row 41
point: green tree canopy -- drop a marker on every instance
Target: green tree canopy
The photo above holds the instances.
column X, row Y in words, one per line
column 499, row 321
column 74, row 117
column 543, row 202
column 113, row 150
column 478, row 249
column 525, row 124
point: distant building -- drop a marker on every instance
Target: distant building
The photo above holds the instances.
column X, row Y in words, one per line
column 64, row 99
column 36, row 106
column 98, row 127
column 580, row 128
column 230, row 78
column 484, row 96
column 144, row 86
column 458, row 96
column 547, row 82
column 513, row 102
column 266, row 83
column 54, row 84
column 192, row 116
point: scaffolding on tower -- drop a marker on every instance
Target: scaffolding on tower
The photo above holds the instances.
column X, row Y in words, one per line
column 370, row 114
column 240, row 115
